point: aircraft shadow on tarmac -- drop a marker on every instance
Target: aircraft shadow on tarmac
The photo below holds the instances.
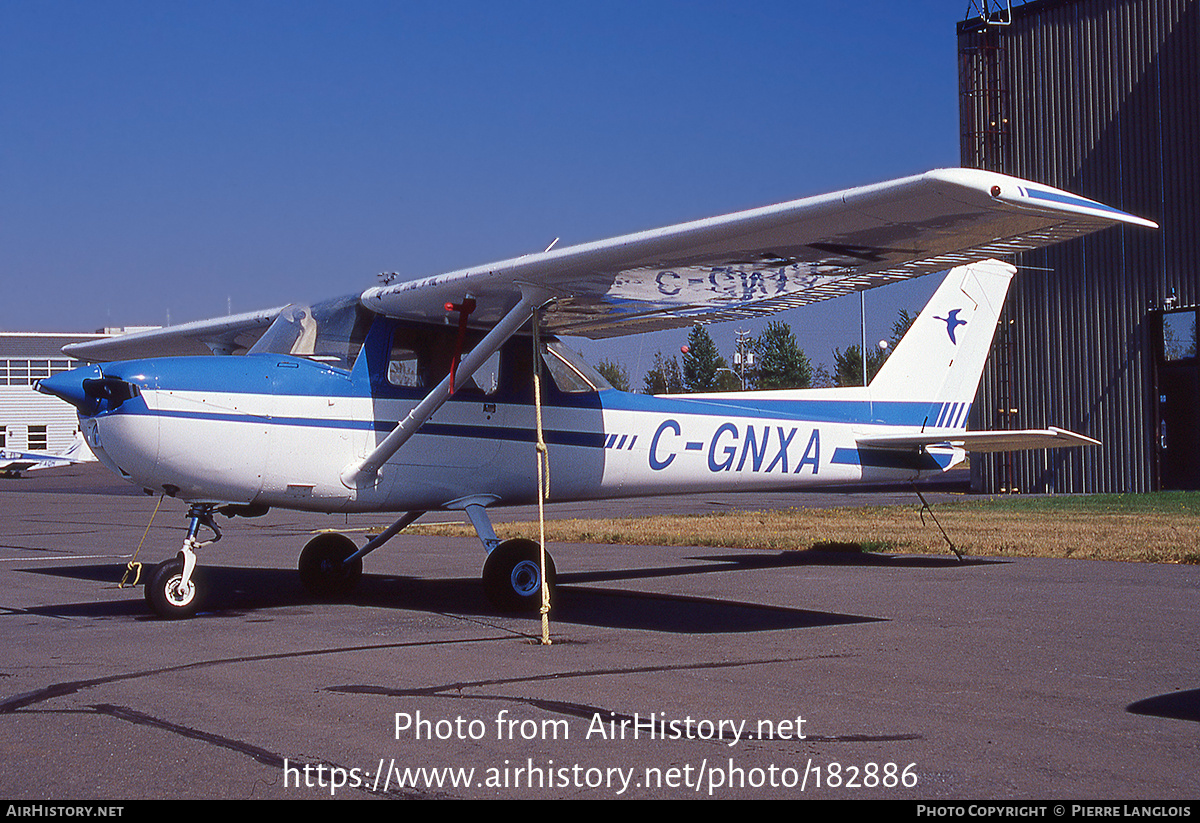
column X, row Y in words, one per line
column 236, row 592
column 1173, row 706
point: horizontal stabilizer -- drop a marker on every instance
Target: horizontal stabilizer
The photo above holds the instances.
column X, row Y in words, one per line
column 983, row 441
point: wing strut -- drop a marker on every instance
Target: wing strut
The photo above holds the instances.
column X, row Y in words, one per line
column 365, row 472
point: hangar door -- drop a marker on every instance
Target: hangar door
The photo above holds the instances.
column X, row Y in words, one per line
column 1177, row 384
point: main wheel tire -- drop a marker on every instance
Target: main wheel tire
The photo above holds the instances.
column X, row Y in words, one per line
column 165, row 594
column 512, row 578
column 324, row 569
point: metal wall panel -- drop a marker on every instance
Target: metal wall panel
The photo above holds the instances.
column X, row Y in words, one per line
column 1099, row 97
column 20, row 405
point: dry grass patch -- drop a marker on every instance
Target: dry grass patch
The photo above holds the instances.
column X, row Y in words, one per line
column 1160, row 528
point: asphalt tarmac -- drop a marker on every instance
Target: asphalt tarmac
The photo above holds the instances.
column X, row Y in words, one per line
column 673, row 672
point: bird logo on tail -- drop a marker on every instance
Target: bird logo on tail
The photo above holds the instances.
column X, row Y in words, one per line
column 952, row 322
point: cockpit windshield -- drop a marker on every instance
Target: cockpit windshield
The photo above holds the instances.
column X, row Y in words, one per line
column 330, row 332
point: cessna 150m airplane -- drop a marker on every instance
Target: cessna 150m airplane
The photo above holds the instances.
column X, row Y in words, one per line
column 418, row 394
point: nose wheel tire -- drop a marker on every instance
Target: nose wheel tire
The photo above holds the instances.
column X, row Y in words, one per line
column 324, row 569
column 512, row 578
column 167, row 595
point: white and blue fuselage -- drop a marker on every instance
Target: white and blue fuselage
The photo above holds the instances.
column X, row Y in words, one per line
column 192, row 433
column 271, row 429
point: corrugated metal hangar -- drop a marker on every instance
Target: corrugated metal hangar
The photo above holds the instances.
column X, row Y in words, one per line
column 1102, row 98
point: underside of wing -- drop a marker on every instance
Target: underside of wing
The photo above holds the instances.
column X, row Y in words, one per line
column 982, row 441
column 223, row 335
column 769, row 259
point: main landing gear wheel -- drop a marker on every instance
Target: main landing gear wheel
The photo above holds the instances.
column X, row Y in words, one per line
column 324, row 569
column 512, row 578
column 166, row 594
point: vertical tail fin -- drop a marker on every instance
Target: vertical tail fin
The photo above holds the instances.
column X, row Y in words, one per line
column 941, row 357
column 78, row 451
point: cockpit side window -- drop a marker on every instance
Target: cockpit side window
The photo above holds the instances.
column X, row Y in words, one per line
column 410, row 361
column 420, row 358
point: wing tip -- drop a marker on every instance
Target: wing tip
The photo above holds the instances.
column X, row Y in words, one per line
column 1021, row 193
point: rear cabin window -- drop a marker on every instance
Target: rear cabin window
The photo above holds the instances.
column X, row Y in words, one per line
column 569, row 371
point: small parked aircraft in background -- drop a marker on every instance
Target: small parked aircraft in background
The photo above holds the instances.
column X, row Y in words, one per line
column 419, row 394
column 12, row 463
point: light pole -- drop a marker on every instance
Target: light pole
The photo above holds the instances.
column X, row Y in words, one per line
column 743, row 356
column 862, row 310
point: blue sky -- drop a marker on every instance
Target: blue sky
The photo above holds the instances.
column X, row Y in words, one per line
column 177, row 160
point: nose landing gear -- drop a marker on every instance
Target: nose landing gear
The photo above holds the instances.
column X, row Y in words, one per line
column 173, row 589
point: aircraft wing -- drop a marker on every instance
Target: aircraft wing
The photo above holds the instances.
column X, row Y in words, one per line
column 222, row 335
column 16, row 462
column 768, row 259
column 983, row 441
column 14, row 465
column 740, row 265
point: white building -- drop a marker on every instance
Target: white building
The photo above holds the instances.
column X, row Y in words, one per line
column 30, row 420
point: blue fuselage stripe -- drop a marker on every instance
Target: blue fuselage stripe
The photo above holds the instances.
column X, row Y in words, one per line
column 890, row 459
column 885, row 412
column 564, row 438
column 808, row 411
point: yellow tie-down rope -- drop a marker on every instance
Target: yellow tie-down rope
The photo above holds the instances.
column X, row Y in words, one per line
column 133, row 565
column 543, row 470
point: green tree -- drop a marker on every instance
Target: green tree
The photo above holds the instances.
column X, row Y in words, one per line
column 614, row 373
column 904, row 321
column 702, row 363
column 847, row 365
column 664, row 376
column 727, row 380
column 781, row 362
column 821, row 378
